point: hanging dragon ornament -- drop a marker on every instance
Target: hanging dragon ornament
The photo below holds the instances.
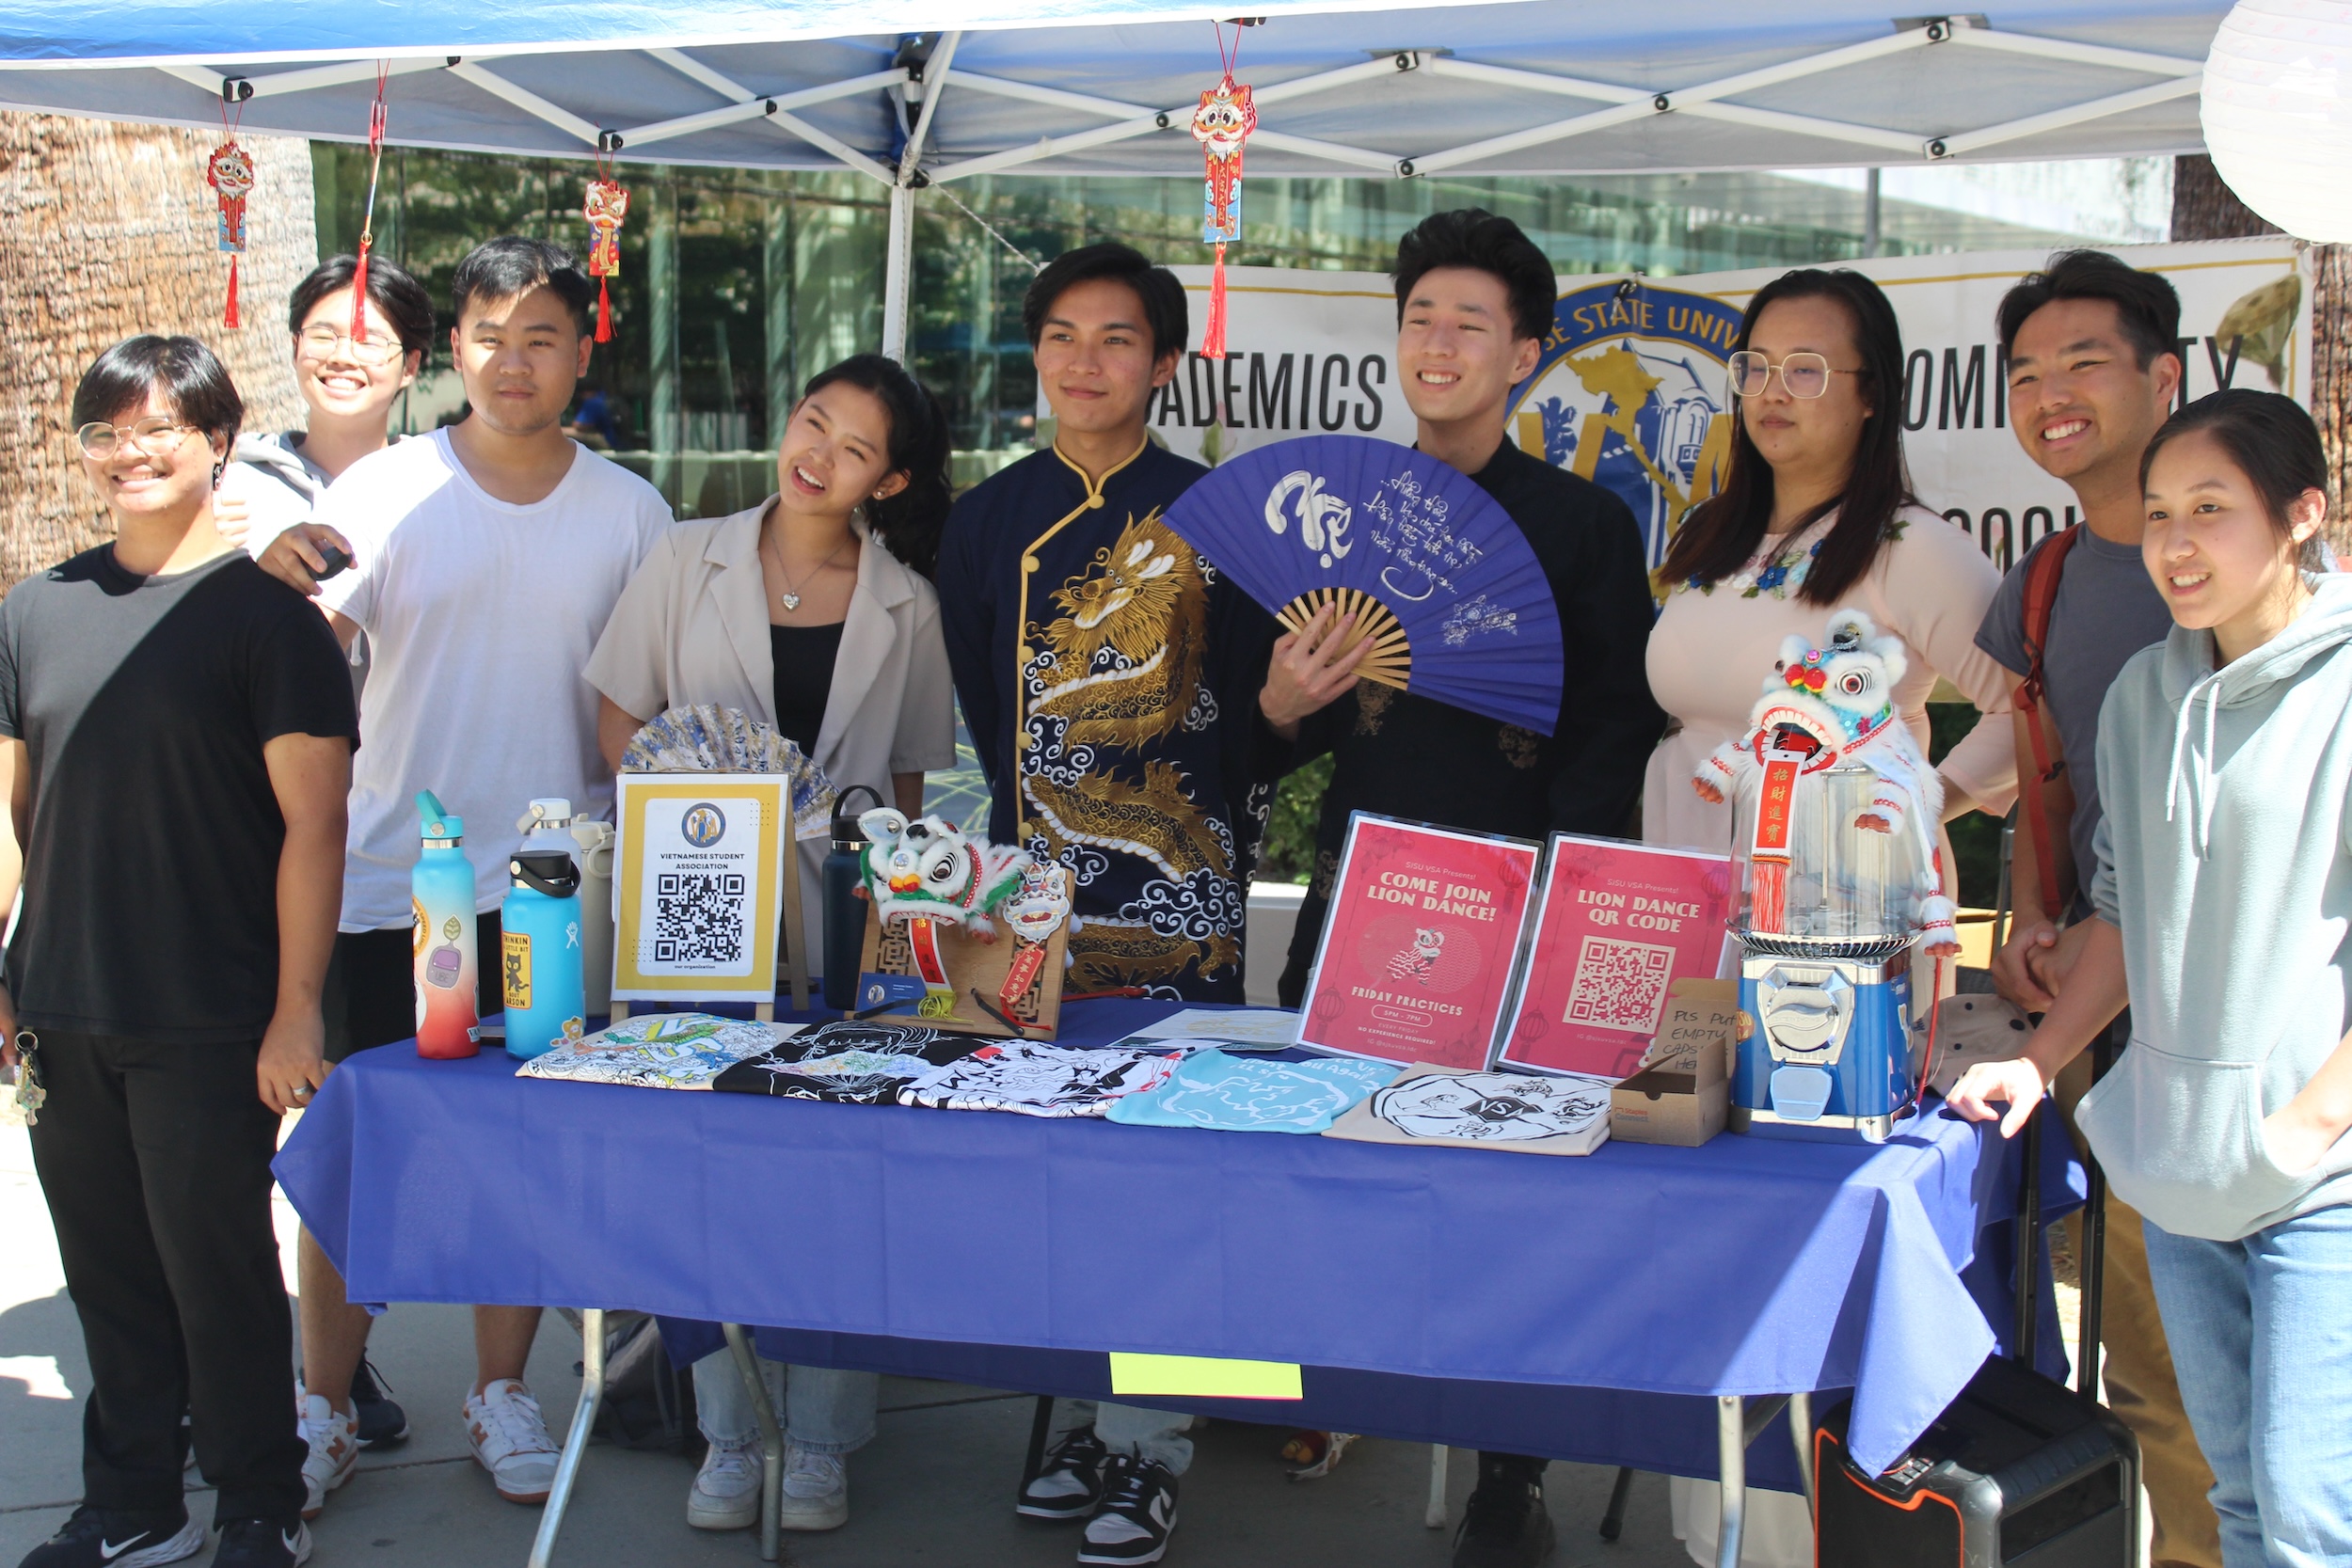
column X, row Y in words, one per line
column 606, row 206
column 230, row 172
column 1221, row 125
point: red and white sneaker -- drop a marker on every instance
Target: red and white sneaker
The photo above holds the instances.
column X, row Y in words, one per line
column 510, row 1440
column 334, row 1442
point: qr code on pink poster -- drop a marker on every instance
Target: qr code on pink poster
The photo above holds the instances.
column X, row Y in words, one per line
column 1620, row 985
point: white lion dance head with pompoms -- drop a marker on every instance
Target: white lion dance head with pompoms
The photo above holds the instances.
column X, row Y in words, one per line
column 1833, row 706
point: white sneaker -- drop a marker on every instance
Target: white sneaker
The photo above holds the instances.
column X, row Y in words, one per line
column 510, row 1440
column 816, row 1491
column 725, row 1494
column 334, row 1442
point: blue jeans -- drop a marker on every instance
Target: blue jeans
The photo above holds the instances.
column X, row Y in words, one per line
column 824, row 1411
column 2260, row 1330
column 1156, row 1435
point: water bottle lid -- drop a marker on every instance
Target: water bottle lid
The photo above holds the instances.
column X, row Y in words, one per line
column 446, row 828
column 547, row 871
column 551, row 812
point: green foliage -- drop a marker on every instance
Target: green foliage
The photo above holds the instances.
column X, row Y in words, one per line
column 1290, row 830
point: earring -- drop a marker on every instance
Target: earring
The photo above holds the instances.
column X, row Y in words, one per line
column 218, row 469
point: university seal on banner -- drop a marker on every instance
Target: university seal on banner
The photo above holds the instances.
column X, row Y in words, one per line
column 1630, row 394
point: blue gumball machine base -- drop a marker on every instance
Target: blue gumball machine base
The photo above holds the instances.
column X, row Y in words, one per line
column 1830, row 1055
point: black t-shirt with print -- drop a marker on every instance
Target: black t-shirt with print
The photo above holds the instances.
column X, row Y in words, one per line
column 150, row 869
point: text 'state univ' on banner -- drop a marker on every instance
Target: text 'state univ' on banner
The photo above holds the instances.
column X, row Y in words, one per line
column 1631, row 389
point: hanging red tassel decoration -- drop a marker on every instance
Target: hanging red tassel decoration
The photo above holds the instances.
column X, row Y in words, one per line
column 1221, row 125
column 230, row 172
column 367, row 223
column 606, row 206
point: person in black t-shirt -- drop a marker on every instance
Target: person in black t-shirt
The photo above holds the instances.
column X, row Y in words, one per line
column 1474, row 298
column 179, row 729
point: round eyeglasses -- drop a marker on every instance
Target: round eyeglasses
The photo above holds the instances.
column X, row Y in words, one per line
column 323, row 342
column 1804, row 374
column 155, row 437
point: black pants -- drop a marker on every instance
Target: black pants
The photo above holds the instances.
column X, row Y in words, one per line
column 155, row 1161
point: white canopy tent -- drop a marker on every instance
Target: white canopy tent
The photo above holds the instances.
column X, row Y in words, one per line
column 915, row 93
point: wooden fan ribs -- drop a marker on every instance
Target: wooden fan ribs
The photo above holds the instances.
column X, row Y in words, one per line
column 1390, row 661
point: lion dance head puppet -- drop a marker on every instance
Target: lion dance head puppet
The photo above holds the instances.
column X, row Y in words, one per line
column 1826, row 707
column 926, row 868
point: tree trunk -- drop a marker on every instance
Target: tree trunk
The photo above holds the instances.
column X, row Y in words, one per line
column 107, row 231
column 2205, row 209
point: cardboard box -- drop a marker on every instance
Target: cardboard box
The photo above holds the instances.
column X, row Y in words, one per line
column 1682, row 1095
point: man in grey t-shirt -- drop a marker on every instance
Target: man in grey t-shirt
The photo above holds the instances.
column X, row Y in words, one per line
column 2091, row 376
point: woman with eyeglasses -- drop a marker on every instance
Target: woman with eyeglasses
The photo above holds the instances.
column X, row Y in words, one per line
column 348, row 385
column 1814, row 513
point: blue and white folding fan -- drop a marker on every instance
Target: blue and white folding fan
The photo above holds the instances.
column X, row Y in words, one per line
column 1439, row 579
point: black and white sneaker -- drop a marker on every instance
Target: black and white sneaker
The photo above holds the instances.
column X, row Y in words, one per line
column 263, row 1544
column 1071, row 1482
column 1136, row 1515
column 110, row 1538
column 382, row 1423
column 1505, row 1523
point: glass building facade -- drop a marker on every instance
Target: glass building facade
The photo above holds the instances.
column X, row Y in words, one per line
column 736, row 286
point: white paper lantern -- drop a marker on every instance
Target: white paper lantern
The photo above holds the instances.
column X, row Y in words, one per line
column 2277, row 107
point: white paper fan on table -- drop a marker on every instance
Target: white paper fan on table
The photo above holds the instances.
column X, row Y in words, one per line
column 707, row 739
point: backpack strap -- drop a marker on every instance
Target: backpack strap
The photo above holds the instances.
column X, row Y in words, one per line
column 2041, row 784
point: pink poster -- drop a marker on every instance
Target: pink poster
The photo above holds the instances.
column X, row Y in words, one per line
column 1417, row 955
column 1620, row 922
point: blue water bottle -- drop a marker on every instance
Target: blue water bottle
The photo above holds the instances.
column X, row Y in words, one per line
column 540, row 921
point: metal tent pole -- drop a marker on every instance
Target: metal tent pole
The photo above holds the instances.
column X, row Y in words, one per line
column 898, row 267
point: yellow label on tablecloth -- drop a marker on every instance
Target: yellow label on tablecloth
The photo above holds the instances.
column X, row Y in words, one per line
column 1202, row 1377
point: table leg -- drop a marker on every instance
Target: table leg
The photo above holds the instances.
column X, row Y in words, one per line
column 1434, row 1516
column 770, row 1442
column 1801, row 1429
column 1731, row 1451
column 576, row 1440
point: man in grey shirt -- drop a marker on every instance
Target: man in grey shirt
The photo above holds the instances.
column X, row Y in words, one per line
column 2091, row 376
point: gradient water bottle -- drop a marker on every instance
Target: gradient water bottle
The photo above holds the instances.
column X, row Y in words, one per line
column 441, row 895
column 543, row 962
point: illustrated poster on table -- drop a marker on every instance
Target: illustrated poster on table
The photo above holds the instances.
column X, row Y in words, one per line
column 1417, row 955
column 1618, row 923
column 698, row 888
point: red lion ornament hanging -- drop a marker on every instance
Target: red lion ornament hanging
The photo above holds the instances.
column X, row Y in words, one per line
column 606, row 207
column 1221, row 125
column 230, row 172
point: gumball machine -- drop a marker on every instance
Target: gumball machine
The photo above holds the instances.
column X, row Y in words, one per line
column 1845, row 910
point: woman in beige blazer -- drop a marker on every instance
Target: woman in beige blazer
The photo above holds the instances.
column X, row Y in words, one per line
column 788, row 612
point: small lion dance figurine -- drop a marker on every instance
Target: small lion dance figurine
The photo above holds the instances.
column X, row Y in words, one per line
column 926, row 868
column 1826, row 707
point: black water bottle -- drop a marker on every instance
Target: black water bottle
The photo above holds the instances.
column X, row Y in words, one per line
column 845, row 912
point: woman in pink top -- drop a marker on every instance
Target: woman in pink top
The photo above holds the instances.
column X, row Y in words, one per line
column 1816, row 514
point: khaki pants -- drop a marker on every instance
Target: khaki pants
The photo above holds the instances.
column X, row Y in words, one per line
column 2138, row 1370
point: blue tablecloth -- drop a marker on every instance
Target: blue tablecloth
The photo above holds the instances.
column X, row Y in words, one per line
column 1583, row 1308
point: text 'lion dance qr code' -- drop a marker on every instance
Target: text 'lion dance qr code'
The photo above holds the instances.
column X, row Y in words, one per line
column 698, row 918
column 1620, row 985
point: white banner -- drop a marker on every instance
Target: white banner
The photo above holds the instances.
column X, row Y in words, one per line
column 1631, row 390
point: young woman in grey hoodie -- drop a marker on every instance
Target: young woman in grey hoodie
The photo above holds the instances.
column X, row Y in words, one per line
column 2224, row 898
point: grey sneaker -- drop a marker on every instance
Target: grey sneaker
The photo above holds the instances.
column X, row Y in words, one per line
column 725, row 1494
column 816, row 1491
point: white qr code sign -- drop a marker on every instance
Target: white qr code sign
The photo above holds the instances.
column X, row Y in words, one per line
column 1620, row 985
column 697, row 885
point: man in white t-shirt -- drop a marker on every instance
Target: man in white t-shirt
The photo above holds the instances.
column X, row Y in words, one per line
column 486, row 559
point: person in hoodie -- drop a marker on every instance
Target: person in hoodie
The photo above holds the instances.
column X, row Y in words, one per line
column 2221, row 899
column 348, row 385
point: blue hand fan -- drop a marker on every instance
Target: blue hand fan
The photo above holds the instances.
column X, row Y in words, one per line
column 1440, row 580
